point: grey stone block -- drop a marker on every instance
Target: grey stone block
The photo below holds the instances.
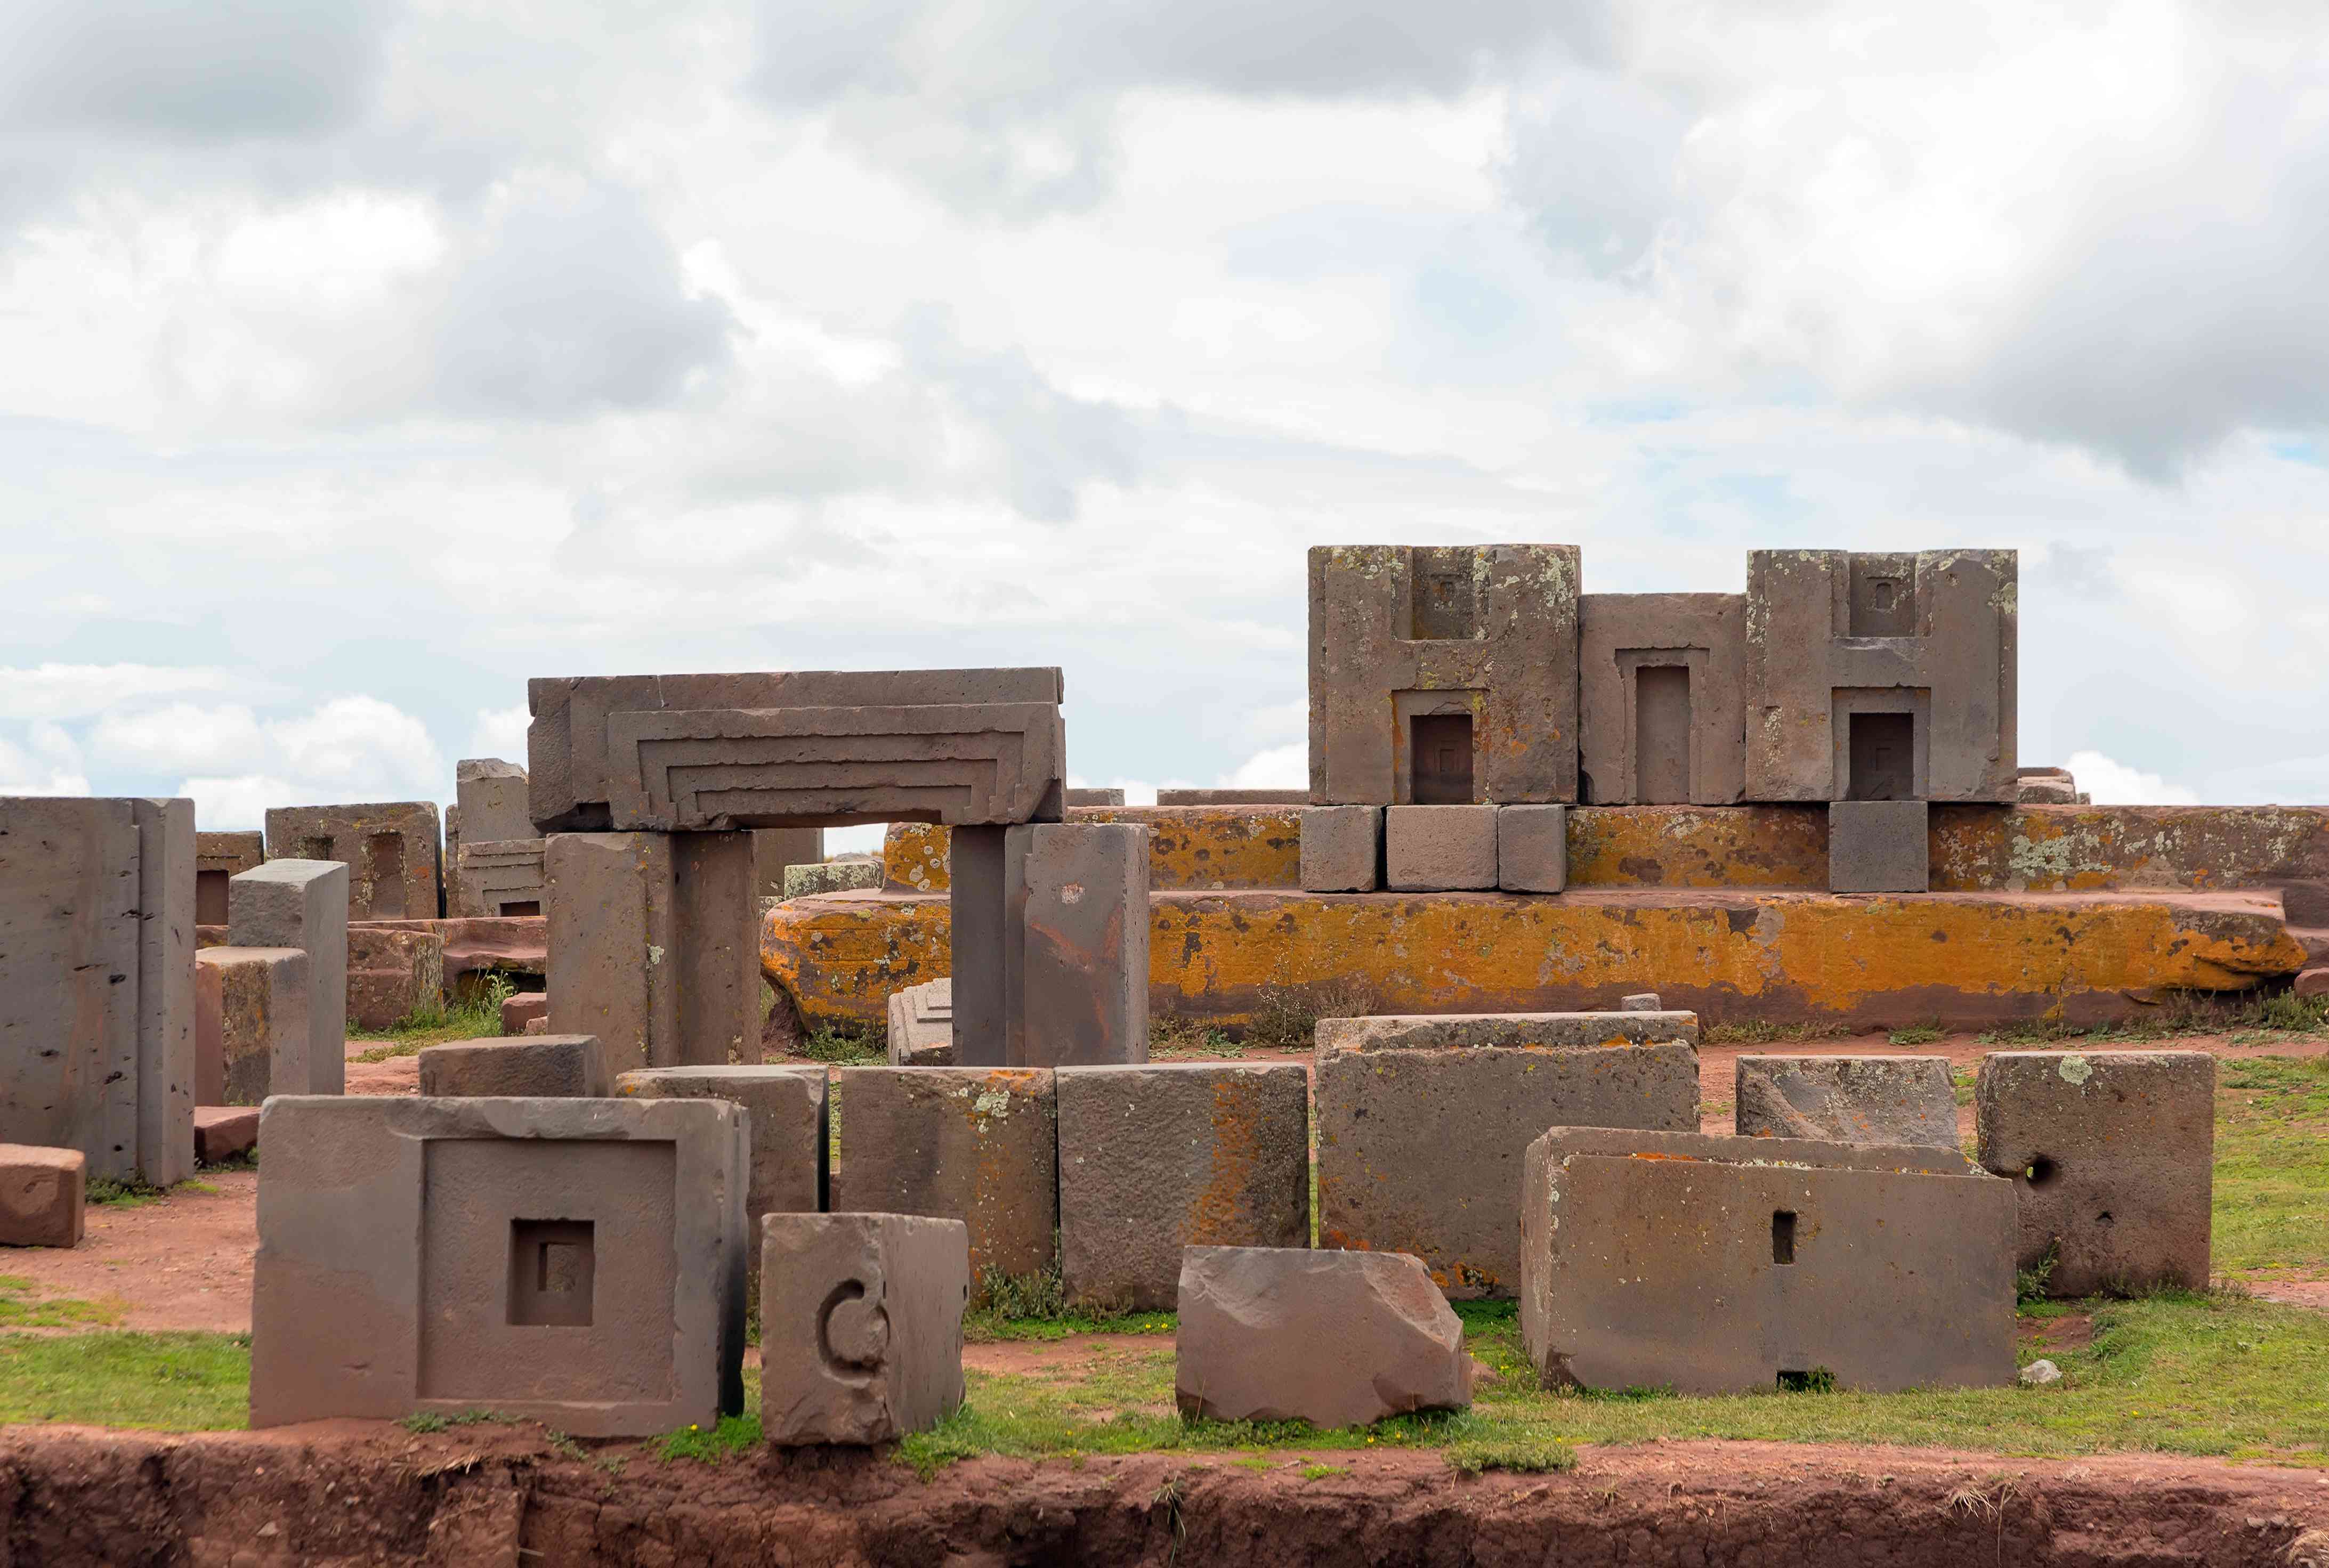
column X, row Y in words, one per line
column 492, row 795
column 391, row 848
column 1662, row 687
column 1723, row 1265
column 502, row 877
column 832, row 876
column 1537, row 1031
column 1531, row 849
column 251, row 1033
column 1333, row 1338
column 536, row 1067
column 304, row 903
column 1156, row 1158
column 219, row 857
column 1217, row 797
column 1882, row 677
column 578, row 1262
column 1640, row 1001
column 610, row 907
column 717, row 923
column 2112, row 1155
column 776, row 851
column 1439, row 849
column 922, row 1025
column 1420, row 656
column 166, row 989
column 1095, row 797
column 1341, row 849
column 988, row 940
column 1877, row 1100
column 976, row 1144
column 1083, row 994
column 786, row 1110
column 861, row 1325
column 1420, row 1151
column 1879, row 847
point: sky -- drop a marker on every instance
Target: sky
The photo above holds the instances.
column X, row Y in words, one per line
column 368, row 357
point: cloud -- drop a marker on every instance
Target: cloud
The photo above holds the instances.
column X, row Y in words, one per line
column 48, row 763
column 235, row 764
column 79, row 691
column 1280, row 767
column 177, row 736
column 2114, row 784
column 500, row 732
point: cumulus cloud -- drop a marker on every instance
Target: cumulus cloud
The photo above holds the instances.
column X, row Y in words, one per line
column 49, row 763
column 2114, row 784
column 236, row 763
column 1286, row 767
column 500, row 732
column 79, row 691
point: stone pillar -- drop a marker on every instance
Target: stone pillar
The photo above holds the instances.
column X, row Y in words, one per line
column 614, row 939
column 166, row 989
column 1083, row 971
column 252, row 1034
column 718, row 956
column 773, row 849
column 303, row 904
column 978, row 891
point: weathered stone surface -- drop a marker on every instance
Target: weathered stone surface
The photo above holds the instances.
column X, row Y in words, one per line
column 391, row 848
column 41, row 1192
column 503, row 876
column 1083, row 897
column 922, row 1025
column 1531, row 849
column 975, row 1144
column 217, row 858
column 2046, row 791
column 1333, row 1338
column 1156, row 1158
column 578, row 1262
column 304, row 903
column 1435, row 849
column 1094, row 797
column 1886, row 1100
column 1912, row 656
column 1878, row 847
column 1767, row 847
column 776, row 850
column 833, row 877
column 252, row 1031
column 540, row 1025
column 988, row 937
column 539, row 1067
column 1515, row 1031
column 611, row 898
column 1214, row 797
column 477, row 946
column 1641, row 1001
column 1661, row 689
column 1211, row 847
column 166, row 988
column 808, row 748
column 521, row 1008
column 2311, row 982
column 1419, row 1150
column 223, row 1131
column 861, row 1325
column 718, row 960
column 2112, row 1155
column 1723, row 1265
column 785, row 1108
column 492, row 795
column 1341, row 849
column 392, row 974
column 1442, row 676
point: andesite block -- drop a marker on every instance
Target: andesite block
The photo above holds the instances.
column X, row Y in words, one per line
column 1879, row 847
column 42, row 1195
column 1886, row 1100
column 1532, row 848
column 304, row 903
column 1341, row 849
column 538, row 1067
column 1439, row 849
column 785, row 1108
column 976, row 1144
column 391, row 849
column 251, row 1032
column 1083, row 991
column 861, row 1325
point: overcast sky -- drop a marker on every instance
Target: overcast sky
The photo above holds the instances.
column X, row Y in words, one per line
column 365, row 358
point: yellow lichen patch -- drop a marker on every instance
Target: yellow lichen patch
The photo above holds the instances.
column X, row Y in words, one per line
column 2072, row 849
column 1223, row 1214
column 1698, row 847
column 1210, row 848
column 840, row 955
column 914, row 856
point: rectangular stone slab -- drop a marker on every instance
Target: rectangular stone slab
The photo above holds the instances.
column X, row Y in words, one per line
column 391, row 849
column 786, row 1109
column 538, row 1067
column 1884, row 1100
column 1420, row 1151
column 1543, row 1031
column 611, row 922
column 393, row 974
column 304, row 903
column 166, row 989
column 252, row 1034
column 1083, row 991
column 578, row 1262
column 492, row 800
column 1154, row 1159
column 1341, row 849
column 42, row 1196
column 861, row 1325
column 2112, row 1154
column 502, row 877
column 1717, row 1265
column 976, row 1144
column 1700, row 637
column 1879, row 847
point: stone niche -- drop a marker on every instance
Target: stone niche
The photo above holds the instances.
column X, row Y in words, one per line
column 391, row 851
column 1660, row 684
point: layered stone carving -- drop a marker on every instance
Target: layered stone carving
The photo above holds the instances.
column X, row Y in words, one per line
column 1660, row 682
column 502, row 877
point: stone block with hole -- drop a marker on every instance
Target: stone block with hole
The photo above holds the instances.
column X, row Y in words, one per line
column 2112, row 1154
column 578, row 1262
column 391, row 849
column 861, row 1325
column 1730, row 1265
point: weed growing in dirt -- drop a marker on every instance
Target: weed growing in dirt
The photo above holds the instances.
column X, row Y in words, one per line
column 735, row 1434
column 1286, row 1017
column 1921, row 1035
column 437, row 1421
column 19, row 1310
column 1526, row 1455
column 478, row 1017
column 2252, row 1018
column 1320, row 1472
column 1036, row 1307
column 844, row 1048
column 1764, row 1032
column 1171, row 1036
column 115, row 1377
column 2030, row 1283
column 132, row 1193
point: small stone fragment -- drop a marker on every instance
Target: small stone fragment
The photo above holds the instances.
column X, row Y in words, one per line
column 2039, row 1372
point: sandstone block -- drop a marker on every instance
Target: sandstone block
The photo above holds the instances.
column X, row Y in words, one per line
column 2112, row 1155
column 42, row 1191
column 922, row 1025
column 1435, row 849
column 1154, row 1158
column 521, row 1008
column 1083, row 897
column 542, row 1067
column 492, row 797
column 1878, row 847
column 861, row 1325
column 785, row 1108
column 304, row 903
column 1723, row 1265
column 1532, row 848
column 500, row 876
column 1333, row 1338
column 219, row 857
column 976, row 1144
column 251, row 1033
column 609, row 897
column 223, row 1131
column 1878, row 1100
column 1663, row 698
column 391, row 848
column 578, row 1262
column 392, row 974
column 1341, row 848
column 839, row 876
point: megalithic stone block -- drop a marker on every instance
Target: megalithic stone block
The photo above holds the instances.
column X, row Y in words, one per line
column 578, row 1262
column 786, row 1109
column 1724, row 1265
column 714, row 916
column 1879, row 847
column 1532, row 848
column 393, row 974
column 493, row 799
column 42, row 1196
column 1084, row 969
column 987, row 940
column 614, row 937
column 1889, row 1100
column 1341, row 849
column 391, row 849
column 304, row 903
column 922, row 1025
column 861, row 1325
column 502, row 877
column 976, row 1144
column 218, row 858
column 1439, row 849
column 252, row 1031
column 1662, row 686
column 166, row 989
column 807, row 748
column 536, row 1067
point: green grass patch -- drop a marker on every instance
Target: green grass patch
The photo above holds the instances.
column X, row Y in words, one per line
column 1036, row 1307
column 1920, row 1035
column 115, row 1192
column 2246, row 1018
column 167, row 1381
column 19, row 1307
column 439, row 1420
column 478, row 1017
column 734, row 1435
column 2272, row 1165
column 1531, row 1454
column 844, row 1048
column 1764, row 1032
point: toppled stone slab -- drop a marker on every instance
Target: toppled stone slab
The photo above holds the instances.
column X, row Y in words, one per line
column 252, row 1034
column 392, row 974
column 976, row 1144
column 224, row 1131
column 1641, row 1001
column 2112, row 1154
column 1887, row 1099
column 41, row 1194
column 1333, row 1338
column 540, row 1068
column 578, row 1262
column 1724, row 1265
column 922, row 1025
column 1157, row 1158
column 785, row 1108
column 861, row 1325
column 391, row 850
column 836, row 876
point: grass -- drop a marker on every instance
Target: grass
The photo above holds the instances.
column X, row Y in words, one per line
column 844, row 1048
column 1764, row 1032
column 1173, row 1037
column 1036, row 1307
column 166, row 1382
column 2272, row 1166
column 116, row 1193
column 437, row 1421
column 478, row 1017
column 1286, row 1017
column 735, row 1434
column 19, row 1310
column 2256, row 1017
